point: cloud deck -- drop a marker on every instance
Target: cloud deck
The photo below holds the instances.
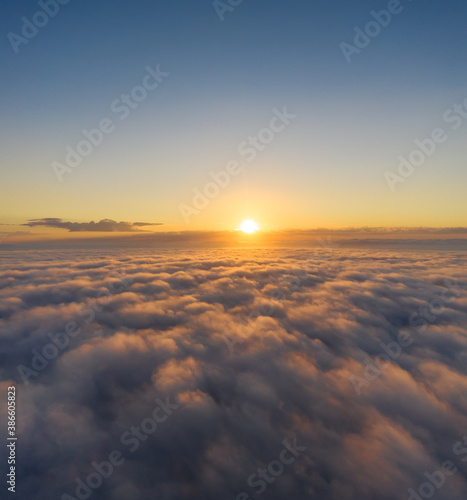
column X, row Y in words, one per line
column 160, row 328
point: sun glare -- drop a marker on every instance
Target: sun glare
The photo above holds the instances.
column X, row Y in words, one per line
column 249, row 226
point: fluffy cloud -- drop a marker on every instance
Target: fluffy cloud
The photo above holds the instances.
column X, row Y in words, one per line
column 255, row 348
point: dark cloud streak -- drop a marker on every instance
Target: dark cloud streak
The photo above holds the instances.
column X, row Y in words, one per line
column 104, row 225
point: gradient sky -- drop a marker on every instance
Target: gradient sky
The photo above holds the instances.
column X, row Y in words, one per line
column 326, row 169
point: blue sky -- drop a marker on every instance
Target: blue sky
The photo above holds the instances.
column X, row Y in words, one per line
column 226, row 77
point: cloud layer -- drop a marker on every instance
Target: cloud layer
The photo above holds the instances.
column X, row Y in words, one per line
column 255, row 347
column 421, row 238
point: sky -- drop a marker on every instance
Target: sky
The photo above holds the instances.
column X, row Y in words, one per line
column 223, row 74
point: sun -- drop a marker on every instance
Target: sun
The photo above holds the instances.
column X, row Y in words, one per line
column 249, row 226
